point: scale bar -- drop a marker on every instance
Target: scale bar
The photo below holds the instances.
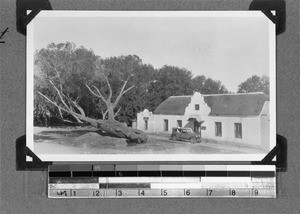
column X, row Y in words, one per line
column 113, row 181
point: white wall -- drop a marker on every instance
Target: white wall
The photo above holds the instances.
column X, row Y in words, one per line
column 203, row 111
column 172, row 120
column 265, row 127
column 250, row 129
column 141, row 122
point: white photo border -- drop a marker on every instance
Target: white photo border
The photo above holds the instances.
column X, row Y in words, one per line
column 146, row 157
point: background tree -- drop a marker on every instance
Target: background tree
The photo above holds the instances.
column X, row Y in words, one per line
column 207, row 85
column 168, row 81
column 255, row 84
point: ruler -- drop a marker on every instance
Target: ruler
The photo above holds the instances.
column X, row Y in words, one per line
column 152, row 181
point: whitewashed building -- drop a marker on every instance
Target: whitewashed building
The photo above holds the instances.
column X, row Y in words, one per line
column 242, row 118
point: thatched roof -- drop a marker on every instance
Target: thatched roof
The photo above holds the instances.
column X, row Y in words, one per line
column 246, row 104
column 174, row 105
column 249, row 104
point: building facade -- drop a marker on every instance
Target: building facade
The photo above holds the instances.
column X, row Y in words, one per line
column 241, row 118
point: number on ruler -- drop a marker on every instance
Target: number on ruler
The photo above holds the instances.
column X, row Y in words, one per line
column 119, row 192
column 209, row 191
column 255, row 192
column 96, row 193
column 232, row 192
column 187, row 192
column 62, row 192
column 120, row 174
column 165, row 192
column 73, row 192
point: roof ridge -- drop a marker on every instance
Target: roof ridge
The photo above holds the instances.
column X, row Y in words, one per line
column 233, row 94
column 182, row 96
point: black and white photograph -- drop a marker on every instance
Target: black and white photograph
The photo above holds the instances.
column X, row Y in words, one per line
column 151, row 86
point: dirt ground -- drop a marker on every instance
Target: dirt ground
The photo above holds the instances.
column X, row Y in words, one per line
column 86, row 140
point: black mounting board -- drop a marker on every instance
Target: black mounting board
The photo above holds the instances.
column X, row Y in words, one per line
column 35, row 6
column 266, row 6
column 22, row 151
column 280, row 151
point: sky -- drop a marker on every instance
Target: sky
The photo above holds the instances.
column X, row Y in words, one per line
column 229, row 49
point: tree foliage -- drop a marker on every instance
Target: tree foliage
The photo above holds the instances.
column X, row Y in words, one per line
column 255, row 84
column 66, row 83
column 105, row 88
column 138, row 74
column 207, row 85
column 168, row 81
column 65, row 69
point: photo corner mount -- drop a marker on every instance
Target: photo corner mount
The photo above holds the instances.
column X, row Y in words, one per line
column 23, row 6
column 267, row 6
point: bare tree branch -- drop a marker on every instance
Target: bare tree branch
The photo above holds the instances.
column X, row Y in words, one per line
column 117, row 113
column 122, row 92
column 79, row 108
column 84, row 118
column 57, row 75
column 128, row 89
column 60, row 96
column 104, row 114
column 60, row 113
column 107, row 82
column 75, row 104
column 70, row 107
column 55, row 104
column 108, row 102
column 99, row 95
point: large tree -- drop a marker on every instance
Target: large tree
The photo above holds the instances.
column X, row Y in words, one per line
column 66, row 82
column 207, row 85
column 63, row 68
column 168, row 81
column 140, row 74
column 255, row 84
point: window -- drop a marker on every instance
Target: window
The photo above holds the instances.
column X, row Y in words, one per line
column 238, row 130
column 218, row 129
column 179, row 123
column 197, row 107
column 166, row 125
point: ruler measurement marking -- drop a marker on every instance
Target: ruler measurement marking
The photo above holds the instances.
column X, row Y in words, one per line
column 98, row 193
column 113, row 181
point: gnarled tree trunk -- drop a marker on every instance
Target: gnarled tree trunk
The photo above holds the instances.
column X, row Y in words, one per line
column 109, row 125
column 117, row 129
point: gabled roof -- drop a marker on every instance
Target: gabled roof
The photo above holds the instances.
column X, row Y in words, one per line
column 174, row 105
column 244, row 104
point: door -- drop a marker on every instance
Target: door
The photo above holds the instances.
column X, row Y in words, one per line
column 196, row 126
